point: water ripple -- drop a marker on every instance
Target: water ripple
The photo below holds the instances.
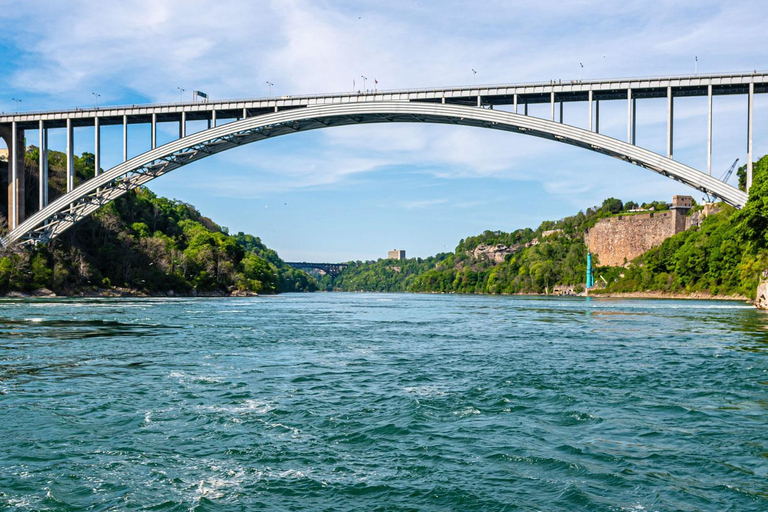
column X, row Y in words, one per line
column 388, row 402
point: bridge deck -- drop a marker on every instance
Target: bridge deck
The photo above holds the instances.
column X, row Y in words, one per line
column 504, row 94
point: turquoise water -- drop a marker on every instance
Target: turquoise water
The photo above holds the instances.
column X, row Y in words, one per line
column 347, row 402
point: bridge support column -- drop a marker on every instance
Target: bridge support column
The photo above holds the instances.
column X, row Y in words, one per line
column 634, row 121
column 552, row 105
column 709, row 129
column 154, row 131
column 670, row 119
column 15, row 142
column 70, row 156
column 183, row 125
column 42, row 172
column 245, row 111
column 526, row 108
column 514, row 102
column 750, row 107
column 597, row 116
column 629, row 116
column 479, row 101
column 561, row 111
column 589, row 104
column 213, row 118
column 125, row 138
column 96, row 146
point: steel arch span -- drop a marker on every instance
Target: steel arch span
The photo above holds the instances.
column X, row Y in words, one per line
column 74, row 206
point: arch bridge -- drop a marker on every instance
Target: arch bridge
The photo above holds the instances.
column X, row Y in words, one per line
column 332, row 269
column 258, row 119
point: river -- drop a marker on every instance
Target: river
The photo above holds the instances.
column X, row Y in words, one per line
column 350, row 402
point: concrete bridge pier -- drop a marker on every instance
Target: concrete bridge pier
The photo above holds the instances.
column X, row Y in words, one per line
column 14, row 140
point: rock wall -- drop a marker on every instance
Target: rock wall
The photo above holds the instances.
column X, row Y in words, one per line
column 761, row 297
column 495, row 253
column 618, row 240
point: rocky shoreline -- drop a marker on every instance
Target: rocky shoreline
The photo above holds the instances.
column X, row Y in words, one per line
column 117, row 292
column 669, row 295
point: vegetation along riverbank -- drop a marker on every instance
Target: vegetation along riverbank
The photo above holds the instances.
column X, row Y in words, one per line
column 143, row 244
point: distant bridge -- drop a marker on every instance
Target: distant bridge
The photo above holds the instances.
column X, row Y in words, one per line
column 258, row 119
column 332, row 269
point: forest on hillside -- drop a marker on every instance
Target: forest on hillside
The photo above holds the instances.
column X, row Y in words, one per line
column 725, row 255
column 143, row 243
column 146, row 244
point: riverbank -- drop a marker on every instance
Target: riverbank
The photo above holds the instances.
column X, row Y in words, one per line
column 668, row 295
column 124, row 292
column 117, row 292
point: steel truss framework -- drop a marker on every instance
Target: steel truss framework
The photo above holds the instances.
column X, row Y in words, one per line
column 74, row 206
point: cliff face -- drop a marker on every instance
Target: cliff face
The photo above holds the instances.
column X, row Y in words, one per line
column 761, row 297
column 618, row 240
column 495, row 253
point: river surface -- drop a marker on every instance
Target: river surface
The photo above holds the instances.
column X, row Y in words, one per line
column 349, row 402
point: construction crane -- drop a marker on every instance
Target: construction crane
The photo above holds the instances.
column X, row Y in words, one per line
column 724, row 178
column 727, row 174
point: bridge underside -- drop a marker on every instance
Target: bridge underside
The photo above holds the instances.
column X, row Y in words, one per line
column 91, row 195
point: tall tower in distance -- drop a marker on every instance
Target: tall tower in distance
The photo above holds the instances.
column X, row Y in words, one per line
column 396, row 254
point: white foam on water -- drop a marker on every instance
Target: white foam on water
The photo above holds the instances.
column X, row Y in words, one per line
column 291, row 473
column 186, row 377
column 19, row 502
column 427, row 390
column 294, row 431
column 467, row 411
column 247, row 406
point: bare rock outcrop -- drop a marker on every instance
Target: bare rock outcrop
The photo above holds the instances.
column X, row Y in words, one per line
column 495, row 253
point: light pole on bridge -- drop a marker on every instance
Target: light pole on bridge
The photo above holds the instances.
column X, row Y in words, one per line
column 181, row 94
column 365, row 79
column 270, row 84
column 96, row 99
column 474, row 77
column 17, row 101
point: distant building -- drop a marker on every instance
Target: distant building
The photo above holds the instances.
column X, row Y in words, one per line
column 682, row 202
column 3, row 155
column 396, row 254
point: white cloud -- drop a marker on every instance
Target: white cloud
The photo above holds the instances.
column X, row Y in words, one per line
column 423, row 204
column 230, row 48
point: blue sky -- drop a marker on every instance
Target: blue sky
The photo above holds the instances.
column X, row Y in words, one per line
column 355, row 192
